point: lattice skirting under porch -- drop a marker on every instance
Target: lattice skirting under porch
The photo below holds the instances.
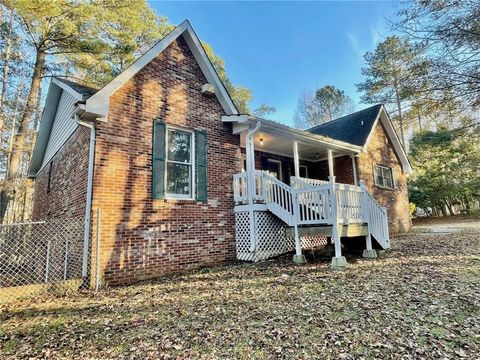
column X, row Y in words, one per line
column 271, row 237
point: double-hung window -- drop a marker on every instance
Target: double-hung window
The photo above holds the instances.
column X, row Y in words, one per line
column 383, row 176
column 179, row 179
column 179, row 163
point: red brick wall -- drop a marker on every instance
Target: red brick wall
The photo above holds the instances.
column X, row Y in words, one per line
column 380, row 151
column 342, row 169
column 68, row 184
column 143, row 238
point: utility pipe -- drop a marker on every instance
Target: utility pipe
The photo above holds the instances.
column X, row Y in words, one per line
column 88, row 206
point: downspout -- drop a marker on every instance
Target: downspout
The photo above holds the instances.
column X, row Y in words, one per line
column 250, row 152
column 88, row 205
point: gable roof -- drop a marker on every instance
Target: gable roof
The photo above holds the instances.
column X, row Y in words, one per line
column 356, row 129
column 85, row 91
column 78, row 92
column 98, row 104
column 352, row 128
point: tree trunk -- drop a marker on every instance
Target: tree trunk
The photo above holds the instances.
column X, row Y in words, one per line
column 8, row 51
column 22, row 131
column 19, row 138
column 400, row 117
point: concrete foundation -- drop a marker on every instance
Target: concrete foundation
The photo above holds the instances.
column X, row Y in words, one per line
column 369, row 254
column 338, row 263
column 299, row 259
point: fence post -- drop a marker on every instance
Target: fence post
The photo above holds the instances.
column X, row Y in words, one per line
column 47, row 262
column 65, row 261
column 97, row 253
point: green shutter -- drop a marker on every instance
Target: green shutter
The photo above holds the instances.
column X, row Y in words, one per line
column 158, row 160
column 201, row 165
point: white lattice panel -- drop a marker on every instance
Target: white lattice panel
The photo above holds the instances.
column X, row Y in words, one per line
column 271, row 236
column 272, row 239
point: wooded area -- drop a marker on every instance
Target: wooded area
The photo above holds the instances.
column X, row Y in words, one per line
column 89, row 42
column 428, row 76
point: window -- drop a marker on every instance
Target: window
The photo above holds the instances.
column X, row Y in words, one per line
column 179, row 179
column 383, row 176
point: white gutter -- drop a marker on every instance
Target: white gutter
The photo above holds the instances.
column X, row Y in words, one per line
column 88, row 206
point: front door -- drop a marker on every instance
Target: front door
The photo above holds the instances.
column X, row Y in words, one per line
column 274, row 168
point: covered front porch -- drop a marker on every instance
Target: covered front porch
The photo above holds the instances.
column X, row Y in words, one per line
column 288, row 190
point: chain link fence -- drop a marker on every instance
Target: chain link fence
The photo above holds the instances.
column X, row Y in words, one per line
column 44, row 257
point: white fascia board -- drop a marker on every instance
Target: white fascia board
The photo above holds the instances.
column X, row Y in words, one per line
column 68, row 89
column 99, row 102
column 236, row 118
column 46, row 122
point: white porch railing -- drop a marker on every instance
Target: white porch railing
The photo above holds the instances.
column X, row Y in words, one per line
column 309, row 202
column 240, row 187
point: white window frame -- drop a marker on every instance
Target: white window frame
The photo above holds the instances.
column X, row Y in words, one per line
column 306, row 170
column 192, row 163
column 382, row 167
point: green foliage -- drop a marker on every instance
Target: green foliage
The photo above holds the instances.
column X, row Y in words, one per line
column 447, row 168
column 449, row 31
column 240, row 95
column 332, row 102
column 391, row 75
column 325, row 104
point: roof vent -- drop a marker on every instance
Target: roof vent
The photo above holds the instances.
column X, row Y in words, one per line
column 361, row 122
column 208, row 89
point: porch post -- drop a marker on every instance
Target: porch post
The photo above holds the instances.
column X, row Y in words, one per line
column 296, row 163
column 330, row 164
column 339, row 261
column 369, row 252
column 354, row 169
column 250, row 155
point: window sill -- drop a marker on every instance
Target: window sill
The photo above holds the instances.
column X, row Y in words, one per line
column 385, row 188
column 179, row 201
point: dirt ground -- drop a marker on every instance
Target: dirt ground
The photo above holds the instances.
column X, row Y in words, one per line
column 420, row 300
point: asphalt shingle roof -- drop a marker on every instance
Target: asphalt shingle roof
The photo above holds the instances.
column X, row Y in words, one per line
column 81, row 89
column 353, row 128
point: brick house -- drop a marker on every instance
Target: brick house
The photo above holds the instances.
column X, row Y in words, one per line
column 183, row 180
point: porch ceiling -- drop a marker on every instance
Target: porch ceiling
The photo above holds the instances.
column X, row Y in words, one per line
column 281, row 145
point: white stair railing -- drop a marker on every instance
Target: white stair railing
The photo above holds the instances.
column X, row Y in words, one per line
column 279, row 198
column 376, row 217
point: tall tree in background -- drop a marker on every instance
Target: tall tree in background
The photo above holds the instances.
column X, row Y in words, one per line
column 449, row 30
column 90, row 41
column 332, row 102
column 325, row 104
column 392, row 71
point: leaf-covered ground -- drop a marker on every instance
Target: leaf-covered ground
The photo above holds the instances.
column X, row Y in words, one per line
column 419, row 300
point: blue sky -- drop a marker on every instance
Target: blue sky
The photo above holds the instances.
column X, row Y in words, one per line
column 277, row 49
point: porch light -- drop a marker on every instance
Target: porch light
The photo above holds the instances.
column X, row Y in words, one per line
column 261, row 142
column 317, row 156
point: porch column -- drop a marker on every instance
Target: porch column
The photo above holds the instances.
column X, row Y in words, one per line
column 339, row 261
column 250, row 157
column 330, row 163
column 296, row 162
column 354, row 169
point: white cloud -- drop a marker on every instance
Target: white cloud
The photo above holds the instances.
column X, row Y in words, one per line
column 357, row 49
